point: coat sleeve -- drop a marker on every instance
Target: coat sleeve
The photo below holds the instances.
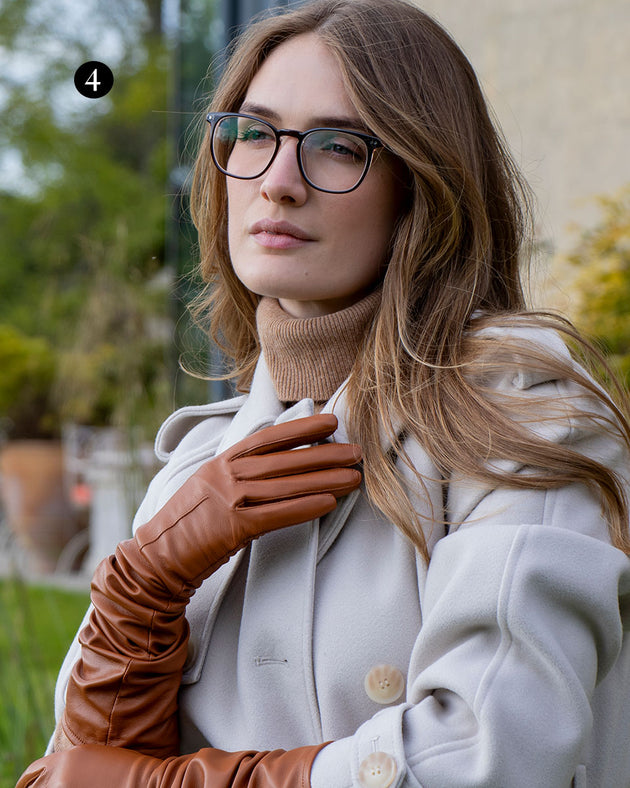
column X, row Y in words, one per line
column 522, row 618
column 503, row 677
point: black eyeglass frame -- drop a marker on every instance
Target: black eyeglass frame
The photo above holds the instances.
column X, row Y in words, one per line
column 372, row 143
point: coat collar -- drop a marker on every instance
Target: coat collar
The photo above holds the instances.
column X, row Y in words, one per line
column 262, row 408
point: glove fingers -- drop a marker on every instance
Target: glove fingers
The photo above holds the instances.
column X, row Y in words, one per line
column 287, row 463
column 338, row 481
column 280, row 514
column 289, row 435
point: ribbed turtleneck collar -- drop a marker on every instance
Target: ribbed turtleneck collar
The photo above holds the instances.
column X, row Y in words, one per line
column 311, row 357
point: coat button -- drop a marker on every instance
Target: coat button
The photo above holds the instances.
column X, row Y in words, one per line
column 378, row 770
column 384, row 684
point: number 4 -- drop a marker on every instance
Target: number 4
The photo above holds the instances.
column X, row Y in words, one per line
column 93, row 80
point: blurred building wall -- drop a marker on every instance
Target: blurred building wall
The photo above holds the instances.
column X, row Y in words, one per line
column 557, row 73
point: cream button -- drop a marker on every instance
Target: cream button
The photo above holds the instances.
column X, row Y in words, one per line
column 377, row 770
column 384, row 684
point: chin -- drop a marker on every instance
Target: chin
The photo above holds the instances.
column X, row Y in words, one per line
column 280, row 288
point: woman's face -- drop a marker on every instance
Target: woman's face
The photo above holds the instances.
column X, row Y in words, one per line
column 330, row 251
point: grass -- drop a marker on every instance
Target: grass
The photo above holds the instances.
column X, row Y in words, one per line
column 37, row 624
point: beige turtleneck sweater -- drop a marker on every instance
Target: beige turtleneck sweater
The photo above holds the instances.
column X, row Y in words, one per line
column 311, row 357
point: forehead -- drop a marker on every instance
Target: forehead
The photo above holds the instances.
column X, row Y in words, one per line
column 300, row 79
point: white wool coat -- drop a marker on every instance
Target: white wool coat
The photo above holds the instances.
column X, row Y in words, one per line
column 510, row 648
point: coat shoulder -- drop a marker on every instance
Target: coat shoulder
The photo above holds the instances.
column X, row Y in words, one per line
column 195, row 423
column 511, row 340
column 189, row 437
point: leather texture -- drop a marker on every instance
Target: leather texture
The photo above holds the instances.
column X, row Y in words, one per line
column 104, row 767
column 123, row 690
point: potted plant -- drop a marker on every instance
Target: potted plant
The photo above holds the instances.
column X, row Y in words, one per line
column 33, row 492
column 78, row 418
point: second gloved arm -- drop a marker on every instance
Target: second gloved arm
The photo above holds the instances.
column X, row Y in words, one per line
column 123, row 689
column 103, row 767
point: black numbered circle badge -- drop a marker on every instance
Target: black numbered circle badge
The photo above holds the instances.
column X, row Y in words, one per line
column 93, row 79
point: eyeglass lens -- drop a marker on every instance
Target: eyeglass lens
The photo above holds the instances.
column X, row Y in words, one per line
column 331, row 159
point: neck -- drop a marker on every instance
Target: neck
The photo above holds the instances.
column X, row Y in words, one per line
column 311, row 357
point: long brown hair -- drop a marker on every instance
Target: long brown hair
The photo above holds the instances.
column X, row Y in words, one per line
column 454, row 267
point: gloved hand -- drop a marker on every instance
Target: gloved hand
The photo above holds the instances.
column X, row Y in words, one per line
column 123, row 689
column 93, row 766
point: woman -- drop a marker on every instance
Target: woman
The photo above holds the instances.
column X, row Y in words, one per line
column 453, row 614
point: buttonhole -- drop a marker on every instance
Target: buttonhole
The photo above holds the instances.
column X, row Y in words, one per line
column 262, row 661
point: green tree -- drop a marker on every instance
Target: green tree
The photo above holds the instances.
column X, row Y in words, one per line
column 602, row 285
column 82, row 220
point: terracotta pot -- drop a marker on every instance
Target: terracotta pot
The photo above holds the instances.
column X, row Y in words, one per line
column 35, row 500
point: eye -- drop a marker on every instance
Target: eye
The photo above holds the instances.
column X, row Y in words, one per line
column 345, row 148
column 255, row 132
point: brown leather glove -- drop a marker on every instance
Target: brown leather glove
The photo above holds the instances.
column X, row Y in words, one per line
column 123, row 689
column 93, row 766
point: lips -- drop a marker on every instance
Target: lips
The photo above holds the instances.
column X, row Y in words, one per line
column 280, row 229
column 278, row 235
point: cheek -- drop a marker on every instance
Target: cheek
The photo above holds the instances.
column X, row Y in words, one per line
column 235, row 238
column 232, row 213
column 236, row 208
column 370, row 224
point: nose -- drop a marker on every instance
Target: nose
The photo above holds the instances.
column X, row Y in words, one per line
column 283, row 182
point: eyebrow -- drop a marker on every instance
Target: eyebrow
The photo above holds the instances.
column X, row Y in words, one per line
column 326, row 121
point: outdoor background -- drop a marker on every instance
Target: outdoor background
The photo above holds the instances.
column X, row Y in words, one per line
column 97, row 261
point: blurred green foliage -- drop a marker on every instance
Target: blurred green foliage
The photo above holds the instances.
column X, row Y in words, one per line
column 28, row 367
column 602, row 285
column 83, row 225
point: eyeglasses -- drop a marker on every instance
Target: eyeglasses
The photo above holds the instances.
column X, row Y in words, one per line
column 330, row 160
